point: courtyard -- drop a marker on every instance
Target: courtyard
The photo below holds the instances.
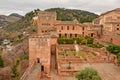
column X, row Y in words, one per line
column 107, row 71
column 72, row 58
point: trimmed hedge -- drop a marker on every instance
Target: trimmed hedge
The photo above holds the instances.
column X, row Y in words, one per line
column 82, row 40
column 65, row 41
column 95, row 45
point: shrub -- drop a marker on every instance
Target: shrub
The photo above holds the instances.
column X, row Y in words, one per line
column 89, row 39
column 113, row 48
column 118, row 57
column 84, row 41
column 88, row 74
column 78, row 40
column 1, row 62
column 65, row 41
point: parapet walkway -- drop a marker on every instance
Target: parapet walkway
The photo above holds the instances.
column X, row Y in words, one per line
column 34, row 72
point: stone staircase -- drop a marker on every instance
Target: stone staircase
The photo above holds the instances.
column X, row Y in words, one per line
column 34, row 72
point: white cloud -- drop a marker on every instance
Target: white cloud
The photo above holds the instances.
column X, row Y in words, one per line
column 23, row 6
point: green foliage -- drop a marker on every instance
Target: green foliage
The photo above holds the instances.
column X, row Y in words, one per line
column 78, row 40
column 63, row 36
column 88, row 74
column 69, row 14
column 84, row 42
column 118, row 57
column 95, row 45
column 65, row 41
column 1, row 62
column 25, row 56
column 113, row 48
column 25, row 22
column 89, row 39
column 15, row 67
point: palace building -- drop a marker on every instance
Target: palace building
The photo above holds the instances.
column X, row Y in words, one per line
column 43, row 44
column 110, row 22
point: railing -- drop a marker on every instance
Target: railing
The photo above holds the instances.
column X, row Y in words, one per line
column 27, row 72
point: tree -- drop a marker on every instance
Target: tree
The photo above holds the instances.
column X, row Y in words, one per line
column 1, row 62
column 88, row 74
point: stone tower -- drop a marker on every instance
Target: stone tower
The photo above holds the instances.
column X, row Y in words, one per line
column 46, row 20
column 39, row 52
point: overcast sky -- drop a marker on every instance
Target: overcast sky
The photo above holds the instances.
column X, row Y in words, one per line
column 24, row 6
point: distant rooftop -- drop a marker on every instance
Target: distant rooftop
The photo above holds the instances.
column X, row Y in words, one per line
column 117, row 9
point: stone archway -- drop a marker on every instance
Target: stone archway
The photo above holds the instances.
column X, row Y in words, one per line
column 53, row 49
column 92, row 34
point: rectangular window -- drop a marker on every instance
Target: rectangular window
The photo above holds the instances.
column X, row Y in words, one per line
column 75, row 35
column 83, row 28
column 42, row 31
column 60, row 35
column 61, row 27
column 73, row 28
column 67, row 27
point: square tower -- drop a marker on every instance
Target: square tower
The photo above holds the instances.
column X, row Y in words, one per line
column 46, row 20
column 39, row 52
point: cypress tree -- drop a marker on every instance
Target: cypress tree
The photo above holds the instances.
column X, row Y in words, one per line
column 1, row 62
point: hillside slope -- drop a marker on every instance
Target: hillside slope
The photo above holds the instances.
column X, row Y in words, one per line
column 69, row 14
column 62, row 14
column 6, row 20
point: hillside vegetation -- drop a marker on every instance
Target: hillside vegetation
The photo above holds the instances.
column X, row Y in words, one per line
column 62, row 14
column 69, row 14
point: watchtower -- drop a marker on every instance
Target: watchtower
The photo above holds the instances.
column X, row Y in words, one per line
column 39, row 52
column 46, row 20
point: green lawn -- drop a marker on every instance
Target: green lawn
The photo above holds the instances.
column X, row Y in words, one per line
column 75, row 54
column 82, row 54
